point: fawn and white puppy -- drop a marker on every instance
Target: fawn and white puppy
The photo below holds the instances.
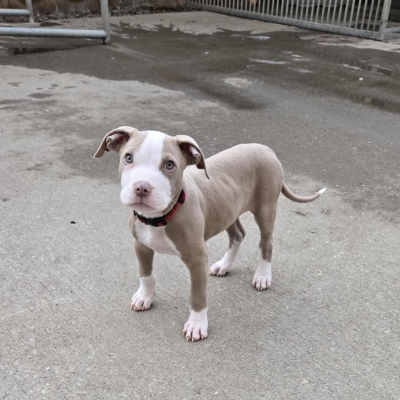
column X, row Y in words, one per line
column 180, row 200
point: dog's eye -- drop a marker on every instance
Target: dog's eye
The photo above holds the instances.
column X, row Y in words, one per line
column 169, row 165
column 129, row 158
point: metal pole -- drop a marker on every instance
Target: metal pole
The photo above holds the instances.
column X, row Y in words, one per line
column 104, row 20
column 351, row 14
column 30, row 9
column 47, row 32
column 384, row 19
column 370, row 13
column 5, row 12
column 376, row 14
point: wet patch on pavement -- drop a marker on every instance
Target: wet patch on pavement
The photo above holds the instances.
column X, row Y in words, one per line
column 40, row 95
column 199, row 63
column 15, row 51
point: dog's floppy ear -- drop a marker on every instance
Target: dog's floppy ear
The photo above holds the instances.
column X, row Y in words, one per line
column 192, row 152
column 115, row 139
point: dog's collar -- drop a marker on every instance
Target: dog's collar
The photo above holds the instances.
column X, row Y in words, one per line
column 162, row 221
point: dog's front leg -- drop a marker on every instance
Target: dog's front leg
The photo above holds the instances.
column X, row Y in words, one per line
column 197, row 324
column 144, row 296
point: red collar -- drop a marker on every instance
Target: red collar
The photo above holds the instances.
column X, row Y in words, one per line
column 162, row 221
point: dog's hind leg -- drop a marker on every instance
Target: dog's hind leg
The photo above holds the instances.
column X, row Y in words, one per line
column 236, row 235
column 265, row 220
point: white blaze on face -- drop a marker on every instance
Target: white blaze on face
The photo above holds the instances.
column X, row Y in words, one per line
column 146, row 168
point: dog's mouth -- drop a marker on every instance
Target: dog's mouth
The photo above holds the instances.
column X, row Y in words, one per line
column 142, row 207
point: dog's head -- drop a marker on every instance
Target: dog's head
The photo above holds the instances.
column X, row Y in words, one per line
column 151, row 166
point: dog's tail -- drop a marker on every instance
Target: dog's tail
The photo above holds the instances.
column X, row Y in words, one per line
column 299, row 199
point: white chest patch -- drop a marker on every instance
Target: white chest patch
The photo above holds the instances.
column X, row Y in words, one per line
column 155, row 238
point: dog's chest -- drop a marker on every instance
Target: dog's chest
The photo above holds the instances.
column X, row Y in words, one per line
column 155, row 238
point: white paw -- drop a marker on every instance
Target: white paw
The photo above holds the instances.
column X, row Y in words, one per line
column 223, row 266
column 143, row 298
column 261, row 282
column 263, row 277
column 196, row 326
column 219, row 268
column 141, row 302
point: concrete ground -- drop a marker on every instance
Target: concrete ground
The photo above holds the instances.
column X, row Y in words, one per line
column 328, row 105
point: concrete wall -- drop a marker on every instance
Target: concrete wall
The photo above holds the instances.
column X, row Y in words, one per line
column 51, row 6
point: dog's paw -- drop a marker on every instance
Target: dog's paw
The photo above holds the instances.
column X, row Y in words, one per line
column 261, row 282
column 143, row 298
column 263, row 277
column 196, row 326
column 219, row 268
column 141, row 301
column 223, row 266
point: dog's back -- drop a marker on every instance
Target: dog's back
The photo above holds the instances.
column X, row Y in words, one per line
column 241, row 178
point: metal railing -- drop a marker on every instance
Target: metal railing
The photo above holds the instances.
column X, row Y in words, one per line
column 363, row 18
column 52, row 32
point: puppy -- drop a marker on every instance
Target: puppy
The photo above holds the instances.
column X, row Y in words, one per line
column 180, row 200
